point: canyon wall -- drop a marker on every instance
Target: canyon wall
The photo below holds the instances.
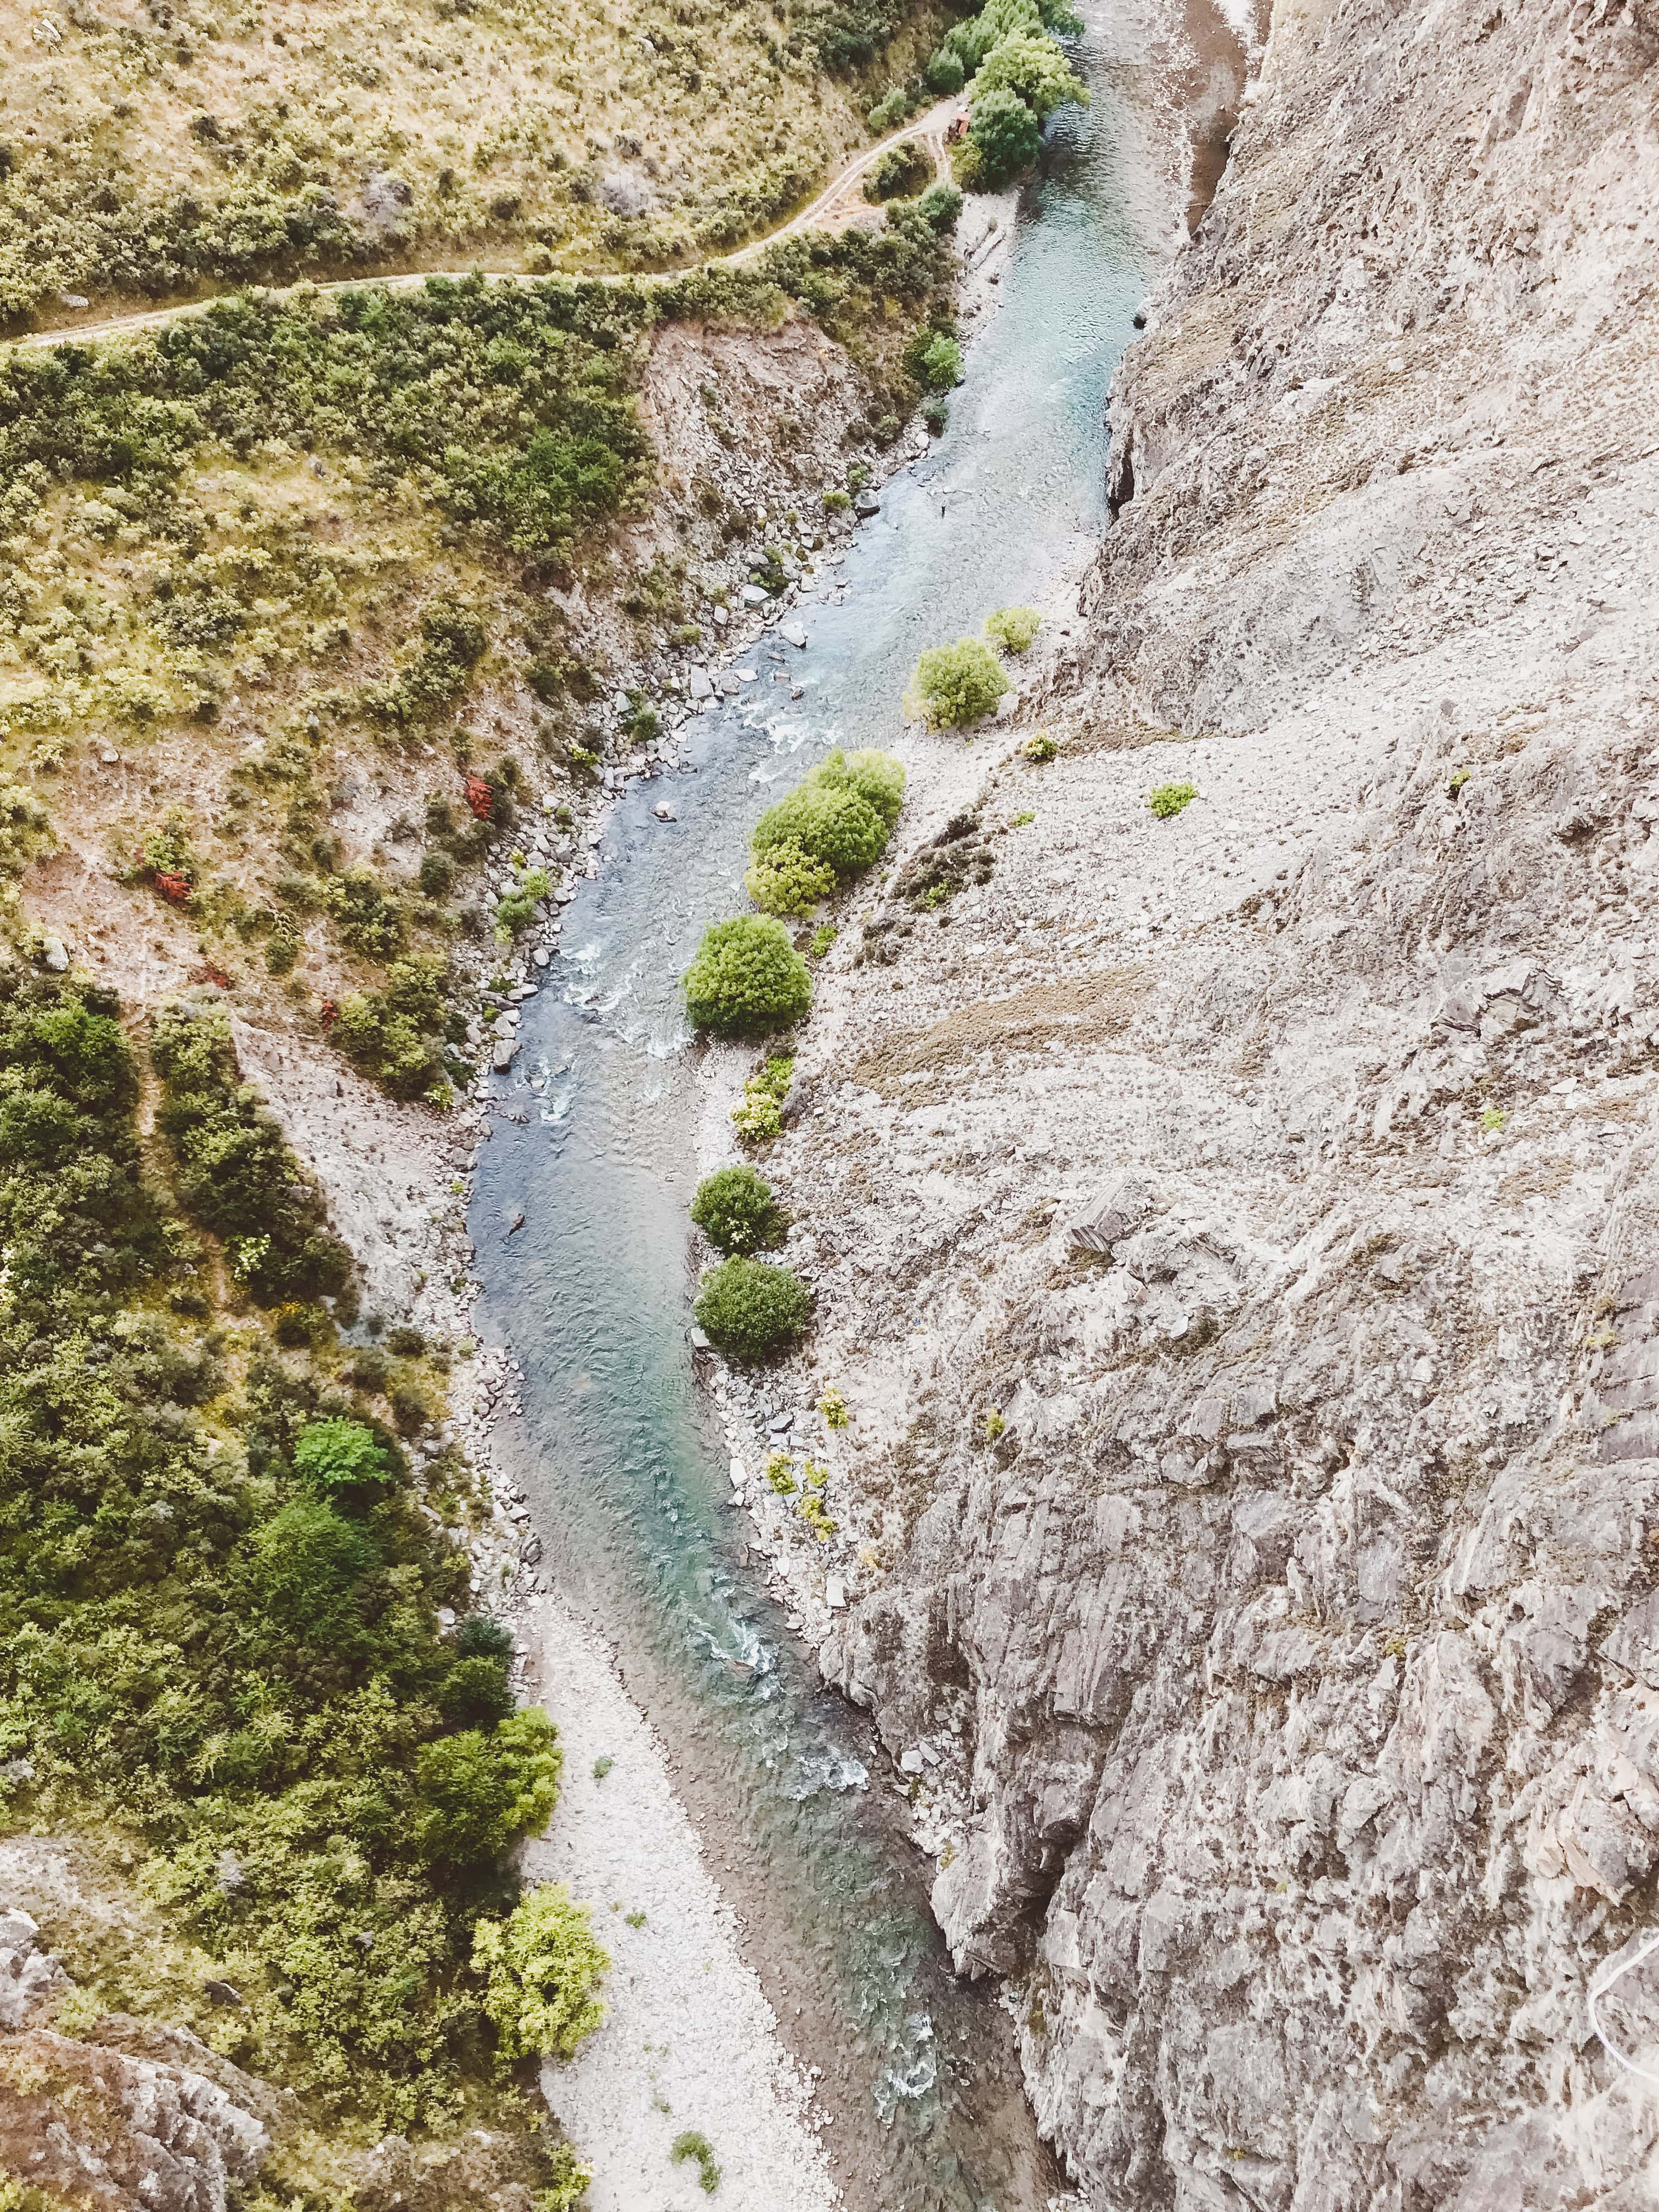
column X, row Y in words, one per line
column 1259, row 1584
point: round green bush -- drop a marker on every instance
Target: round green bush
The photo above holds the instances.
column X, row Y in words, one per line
column 736, row 1211
column 878, row 778
column 832, row 822
column 786, row 880
column 957, row 684
column 1005, row 134
column 747, row 976
column 479, row 1791
column 748, row 1309
column 1013, row 628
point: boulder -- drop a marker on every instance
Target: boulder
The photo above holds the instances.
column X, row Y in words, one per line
column 384, row 198
column 698, row 684
column 793, row 633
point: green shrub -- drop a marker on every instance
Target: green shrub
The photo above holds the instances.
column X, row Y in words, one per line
column 692, row 2143
column 307, row 1562
column 1014, row 629
column 370, row 921
column 955, row 685
column 839, row 817
column 939, row 206
column 1170, row 797
column 786, row 880
column 395, row 1034
column 237, row 1174
column 1005, row 135
column 567, row 2180
column 944, row 73
column 747, row 976
column 1039, row 748
column 878, row 778
column 748, row 1309
column 831, row 823
column 759, row 1112
column 475, row 1694
column 340, row 1455
column 737, row 1212
column 543, row 1967
column 478, row 1791
column 516, row 910
column 1032, row 67
column 901, row 170
column 836, row 502
column 933, row 358
column 437, row 874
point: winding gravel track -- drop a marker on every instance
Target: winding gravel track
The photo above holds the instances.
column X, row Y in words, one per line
column 840, row 202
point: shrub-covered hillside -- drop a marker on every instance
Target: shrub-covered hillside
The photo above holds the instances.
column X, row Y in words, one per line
column 220, row 1582
column 156, row 150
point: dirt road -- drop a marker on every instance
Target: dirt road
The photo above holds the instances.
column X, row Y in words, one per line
column 839, row 204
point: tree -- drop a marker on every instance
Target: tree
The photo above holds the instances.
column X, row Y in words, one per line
column 479, row 1793
column 543, row 1965
column 307, row 1561
column 749, row 1309
column 1005, row 134
column 747, row 976
column 337, row 1455
column 955, row 683
column 1030, row 64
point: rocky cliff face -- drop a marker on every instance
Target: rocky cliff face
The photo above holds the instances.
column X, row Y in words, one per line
column 1265, row 1575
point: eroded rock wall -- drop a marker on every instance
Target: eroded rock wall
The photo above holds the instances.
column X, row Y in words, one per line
column 1263, row 1584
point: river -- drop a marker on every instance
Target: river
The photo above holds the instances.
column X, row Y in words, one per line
column 629, row 1476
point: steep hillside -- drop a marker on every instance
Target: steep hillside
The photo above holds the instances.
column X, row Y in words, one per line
column 1234, row 1227
column 154, row 150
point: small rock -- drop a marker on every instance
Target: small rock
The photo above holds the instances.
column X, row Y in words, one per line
column 865, row 505
column 54, row 956
column 110, row 758
column 516, row 1223
column 793, row 633
column 834, row 1593
column 665, row 811
column 910, row 1761
column 721, row 617
column 752, row 596
column 221, row 1993
column 698, row 684
column 445, row 1616
column 228, row 1872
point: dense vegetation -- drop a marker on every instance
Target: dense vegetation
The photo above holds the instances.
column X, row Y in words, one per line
column 218, row 1591
column 1011, row 52
column 154, row 152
